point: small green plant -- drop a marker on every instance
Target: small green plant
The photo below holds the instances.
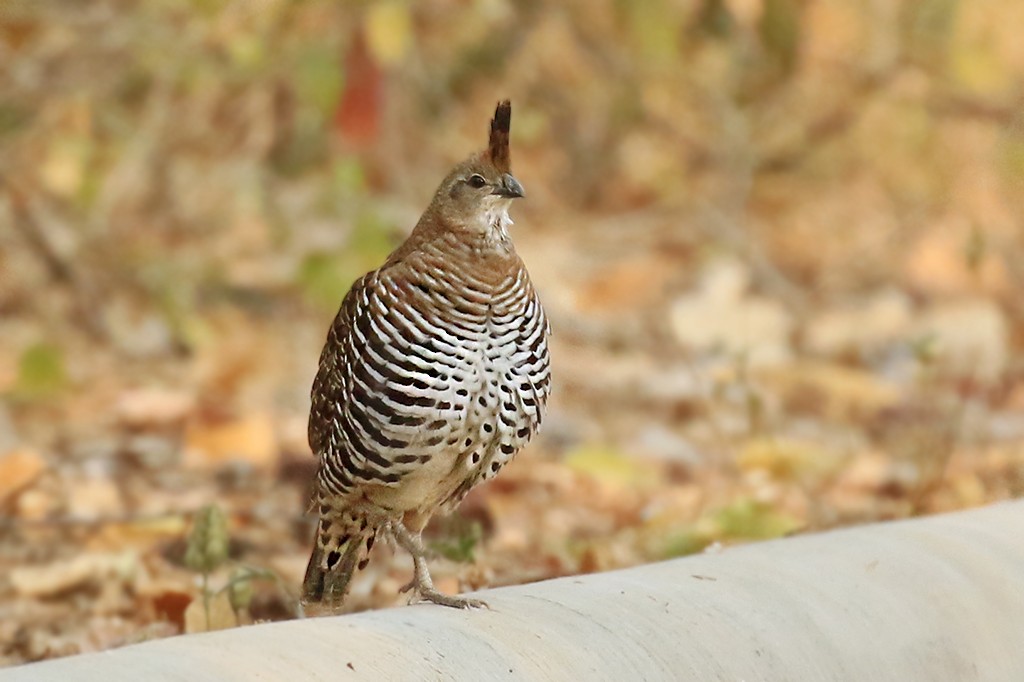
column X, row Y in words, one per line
column 207, row 547
column 461, row 540
column 207, row 550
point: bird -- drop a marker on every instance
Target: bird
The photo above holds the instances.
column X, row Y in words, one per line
column 434, row 374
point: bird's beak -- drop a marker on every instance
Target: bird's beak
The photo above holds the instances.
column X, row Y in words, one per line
column 509, row 187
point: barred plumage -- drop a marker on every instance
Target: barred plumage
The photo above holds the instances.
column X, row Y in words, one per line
column 434, row 374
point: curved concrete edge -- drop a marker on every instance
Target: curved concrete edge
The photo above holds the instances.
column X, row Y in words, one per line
column 938, row 598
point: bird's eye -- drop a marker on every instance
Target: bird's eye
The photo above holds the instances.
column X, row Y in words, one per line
column 476, row 180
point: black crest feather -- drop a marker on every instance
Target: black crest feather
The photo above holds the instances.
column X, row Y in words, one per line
column 497, row 146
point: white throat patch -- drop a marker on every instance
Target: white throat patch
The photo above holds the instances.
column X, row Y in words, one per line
column 496, row 220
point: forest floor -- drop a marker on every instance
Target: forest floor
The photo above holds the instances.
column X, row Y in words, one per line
column 783, row 281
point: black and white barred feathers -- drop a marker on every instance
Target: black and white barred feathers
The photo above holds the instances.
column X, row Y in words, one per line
column 434, row 375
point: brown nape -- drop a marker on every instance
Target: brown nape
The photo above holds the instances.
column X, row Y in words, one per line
column 497, row 147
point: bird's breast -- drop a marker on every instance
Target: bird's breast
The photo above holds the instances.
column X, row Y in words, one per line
column 447, row 383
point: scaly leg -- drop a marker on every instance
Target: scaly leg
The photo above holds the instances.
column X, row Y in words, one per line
column 421, row 582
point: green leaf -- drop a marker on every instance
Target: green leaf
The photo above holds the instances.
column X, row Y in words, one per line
column 318, row 79
column 371, row 240
column 654, row 27
column 610, row 466
column 684, row 543
column 248, row 53
column 41, row 371
column 208, row 541
column 325, row 278
column 240, row 589
column 348, row 177
column 752, row 520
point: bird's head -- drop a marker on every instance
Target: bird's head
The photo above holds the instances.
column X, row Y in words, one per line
column 476, row 195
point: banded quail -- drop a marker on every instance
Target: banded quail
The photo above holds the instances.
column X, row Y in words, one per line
column 434, row 374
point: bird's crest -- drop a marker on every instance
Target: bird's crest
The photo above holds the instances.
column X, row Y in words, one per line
column 497, row 147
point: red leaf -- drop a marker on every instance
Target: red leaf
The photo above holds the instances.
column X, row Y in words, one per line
column 357, row 118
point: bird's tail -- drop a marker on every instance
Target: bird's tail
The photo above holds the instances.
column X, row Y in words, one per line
column 342, row 545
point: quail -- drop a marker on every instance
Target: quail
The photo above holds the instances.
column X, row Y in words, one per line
column 435, row 373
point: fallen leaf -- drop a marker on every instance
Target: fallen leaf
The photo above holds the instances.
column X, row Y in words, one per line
column 170, row 605
column 147, row 407
column 786, row 458
column 90, row 498
column 611, row 467
column 969, row 490
column 627, row 284
column 36, row 505
column 51, row 579
column 18, row 468
column 448, row 584
column 939, row 263
column 752, row 520
column 882, row 319
column 358, row 114
column 62, row 169
column 143, row 533
column 388, row 29
column 836, row 391
column 249, row 439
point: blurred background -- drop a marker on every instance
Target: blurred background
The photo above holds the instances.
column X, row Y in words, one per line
column 781, row 244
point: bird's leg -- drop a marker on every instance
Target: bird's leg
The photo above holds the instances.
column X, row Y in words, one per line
column 421, row 582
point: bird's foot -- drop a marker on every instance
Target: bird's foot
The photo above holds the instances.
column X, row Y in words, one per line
column 421, row 585
column 434, row 596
